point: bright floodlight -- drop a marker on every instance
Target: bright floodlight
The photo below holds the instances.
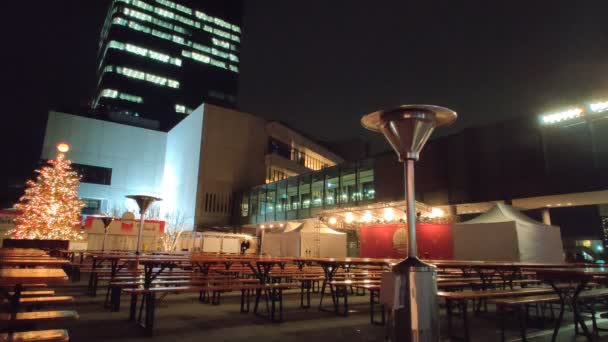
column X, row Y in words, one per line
column 332, row 220
column 367, row 217
column 599, row 107
column 436, row 212
column 389, row 214
column 348, row 218
column 63, row 147
column 569, row 114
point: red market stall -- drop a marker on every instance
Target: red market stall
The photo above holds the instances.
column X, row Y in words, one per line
column 435, row 241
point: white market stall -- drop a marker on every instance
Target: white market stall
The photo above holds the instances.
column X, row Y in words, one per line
column 217, row 242
column 505, row 234
column 122, row 234
column 301, row 239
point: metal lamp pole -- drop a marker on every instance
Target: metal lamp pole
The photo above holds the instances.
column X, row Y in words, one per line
column 410, row 290
column 144, row 202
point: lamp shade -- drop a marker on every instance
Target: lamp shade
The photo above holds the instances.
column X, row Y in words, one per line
column 407, row 128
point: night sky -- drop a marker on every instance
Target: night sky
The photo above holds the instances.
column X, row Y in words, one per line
column 319, row 65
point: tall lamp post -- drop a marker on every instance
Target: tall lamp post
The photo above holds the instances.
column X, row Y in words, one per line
column 410, row 290
column 144, row 202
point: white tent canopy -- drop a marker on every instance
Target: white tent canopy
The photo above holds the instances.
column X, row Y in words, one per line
column 505, row 234
column 301, row 239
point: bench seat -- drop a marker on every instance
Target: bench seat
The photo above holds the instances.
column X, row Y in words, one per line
column 55, row 335
column 37, row 317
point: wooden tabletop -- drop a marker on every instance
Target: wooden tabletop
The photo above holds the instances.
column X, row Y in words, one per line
column 13, row 276
column 571, row 273
column 33, row 262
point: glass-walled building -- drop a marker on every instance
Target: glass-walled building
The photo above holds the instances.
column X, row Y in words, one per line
column 305, row 195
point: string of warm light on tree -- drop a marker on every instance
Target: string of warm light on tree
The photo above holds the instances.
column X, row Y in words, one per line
column 50, row 208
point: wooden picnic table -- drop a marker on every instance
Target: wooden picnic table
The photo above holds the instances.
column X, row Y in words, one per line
column 13, row 279
column 331, row 266
column 569, row 295
column 488, row 271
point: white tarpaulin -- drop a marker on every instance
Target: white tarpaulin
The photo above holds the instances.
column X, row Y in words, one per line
column 301, row 239
column 505, row 234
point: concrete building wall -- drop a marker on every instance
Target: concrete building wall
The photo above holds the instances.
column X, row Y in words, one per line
column 232, row 160
column 135, row 155
column 182, row 159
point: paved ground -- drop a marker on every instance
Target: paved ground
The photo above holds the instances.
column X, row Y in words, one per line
column 182, row 318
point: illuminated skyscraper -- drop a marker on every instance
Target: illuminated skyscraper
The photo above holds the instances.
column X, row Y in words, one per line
column 159, row 59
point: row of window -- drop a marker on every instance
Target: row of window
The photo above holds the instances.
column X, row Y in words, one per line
column 218, row 203
column 115, row 94
column 217, row 21
column 144, row 76
column 138, row 50
column 339, row 185
column 199, row 57
column 179, row 108
column 200, row 15
column 179, row 40
column 170, row 15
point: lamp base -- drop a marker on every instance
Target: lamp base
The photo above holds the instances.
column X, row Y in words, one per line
column 409, row 292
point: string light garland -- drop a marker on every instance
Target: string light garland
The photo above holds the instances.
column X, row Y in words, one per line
column 50, row 206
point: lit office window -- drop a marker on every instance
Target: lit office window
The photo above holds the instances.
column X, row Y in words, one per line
column 233, row 68
column 137, row 15
column 138, row 50
column 201, row 47
column 140, row 75
column 221, row 43
column 183, row 9
column 169, row 4
column 164, row 12
column 207, row 60
column 179, row 108
column 143, row 5
column 162, row 35
column 219, row 53
column 115, row 94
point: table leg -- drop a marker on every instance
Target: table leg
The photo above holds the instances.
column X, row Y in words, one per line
column 330, row 272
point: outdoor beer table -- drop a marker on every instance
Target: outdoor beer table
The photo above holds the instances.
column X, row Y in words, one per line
column 12, row 280
column 568, row 295
column 331, row 265
column 489, row 270
column 98, row 258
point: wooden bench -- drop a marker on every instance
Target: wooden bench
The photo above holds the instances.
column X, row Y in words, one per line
column 461, row 298
column 29, row 302
column 272, row 293
column 115, row 289
column 374, row 299
column 34, row 293
column 520, row 306
column 35, row 285
column 308, row 283
column 56, row 335
column 339, row 289
column 26, row 318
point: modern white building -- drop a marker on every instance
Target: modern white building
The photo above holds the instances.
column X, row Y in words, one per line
column 197, row 168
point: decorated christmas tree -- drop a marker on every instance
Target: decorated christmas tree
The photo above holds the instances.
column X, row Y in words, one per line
column 50, row 208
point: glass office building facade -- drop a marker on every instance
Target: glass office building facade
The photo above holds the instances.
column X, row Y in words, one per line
column 305, row 195
column 160, row 59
